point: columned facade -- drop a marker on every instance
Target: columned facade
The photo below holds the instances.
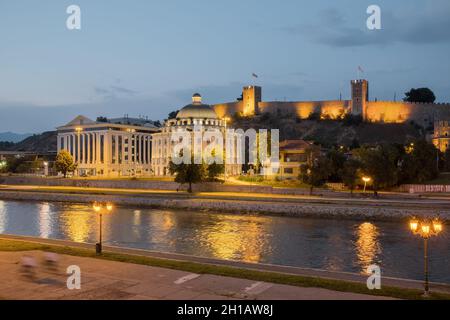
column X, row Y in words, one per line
column 193, row 116
column 107, row 149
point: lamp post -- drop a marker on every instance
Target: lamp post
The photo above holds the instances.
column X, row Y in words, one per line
column 45, row 168
column 225, row 120
column 366, row 179
column 425, row 229
column 100, row 209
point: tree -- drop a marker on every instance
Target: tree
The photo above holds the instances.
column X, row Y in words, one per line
column 64, row 163
column 315, row 174
column 215, row 170
column 380, row 164
column 188, row 173
column 172, row 115
column 349, row 173
column 337, row 160
column 419, row 162
column 420, row 95
column 102, row 119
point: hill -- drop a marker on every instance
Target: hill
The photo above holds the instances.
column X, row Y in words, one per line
column 331, row 132
column 13, row 137
column 44, row 142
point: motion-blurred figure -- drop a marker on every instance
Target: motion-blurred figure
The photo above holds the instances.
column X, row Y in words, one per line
column 28, row 267
column 51, row 261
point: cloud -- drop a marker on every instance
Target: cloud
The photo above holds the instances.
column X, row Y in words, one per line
column 113, row 92
column 421, row 27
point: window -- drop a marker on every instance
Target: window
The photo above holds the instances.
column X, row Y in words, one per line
column 289, row 170
column 102, row 149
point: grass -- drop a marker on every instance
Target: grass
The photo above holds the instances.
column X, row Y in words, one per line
column 444, row 178
column 259, row 180
column 199, row 268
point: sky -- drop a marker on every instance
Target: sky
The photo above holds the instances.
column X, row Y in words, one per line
column 147, row 57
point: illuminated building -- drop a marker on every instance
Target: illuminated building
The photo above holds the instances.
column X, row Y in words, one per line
column 195, row 115
column 441, row 136
column 424, row 114
column 118, row 147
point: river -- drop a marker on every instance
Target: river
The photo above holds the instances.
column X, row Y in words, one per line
column 337, row 245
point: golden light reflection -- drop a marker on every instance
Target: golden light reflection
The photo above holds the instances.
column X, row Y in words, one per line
column 45, row 223
column 228, row 240
column 3, row 218
column 367, row 245
column 165, row 222
column 78, row 225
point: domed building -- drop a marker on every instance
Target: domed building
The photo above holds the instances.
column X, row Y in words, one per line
column 195, row 115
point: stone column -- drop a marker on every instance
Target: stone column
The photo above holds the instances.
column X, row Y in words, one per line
column 88, row 155
column 78, row 147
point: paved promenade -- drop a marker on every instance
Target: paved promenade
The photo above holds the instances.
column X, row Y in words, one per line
column 102, row 279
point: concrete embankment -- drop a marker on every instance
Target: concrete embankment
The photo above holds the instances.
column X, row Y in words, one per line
column 348, row 209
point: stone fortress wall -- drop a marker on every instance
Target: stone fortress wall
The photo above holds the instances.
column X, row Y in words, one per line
column 424, row 114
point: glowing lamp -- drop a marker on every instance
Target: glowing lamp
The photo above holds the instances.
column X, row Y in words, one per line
column 413, row 225
column 426, row 229
column 437, row 226
column 96, row 207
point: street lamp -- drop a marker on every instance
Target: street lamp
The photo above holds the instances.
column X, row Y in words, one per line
column 425, row 229
column 45, row 168
column 225, row 120
column 366, row 179
column 100, row 209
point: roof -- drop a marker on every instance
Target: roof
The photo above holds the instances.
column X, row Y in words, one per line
column 80, row 120
column 295, row 144
column 197, row 111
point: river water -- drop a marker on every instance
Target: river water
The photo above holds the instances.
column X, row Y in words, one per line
column 338, row 245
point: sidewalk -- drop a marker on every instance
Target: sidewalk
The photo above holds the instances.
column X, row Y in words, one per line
column 109, row 280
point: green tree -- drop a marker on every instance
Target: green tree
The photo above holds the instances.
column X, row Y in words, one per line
column 336, row 160
column 64, row 163
column 419, row 162
column 316, row 173
column 172, row 115
column 420, row 95
column 350, row 173
column 188, row 173
column 102, row 119
column 215, row 170
column 380, row 164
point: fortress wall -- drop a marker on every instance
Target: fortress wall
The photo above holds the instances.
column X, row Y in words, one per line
column 332, row 108
column 422, row 113
column 228, row 109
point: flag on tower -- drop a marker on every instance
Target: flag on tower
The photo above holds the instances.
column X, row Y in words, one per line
column 360, row 69
column 254, row 75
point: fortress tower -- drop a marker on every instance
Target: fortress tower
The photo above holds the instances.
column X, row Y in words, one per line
column 251, row 97
column 360, row 96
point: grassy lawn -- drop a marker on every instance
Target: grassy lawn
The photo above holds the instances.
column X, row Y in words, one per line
column 444, row 178
column 294, row 280
column 259, row 180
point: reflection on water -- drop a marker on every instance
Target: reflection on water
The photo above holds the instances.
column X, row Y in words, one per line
column 3, row 217
column 78, row 222
column 339, row 245
column 367, row 245
column 45, row 222
column 238, row 238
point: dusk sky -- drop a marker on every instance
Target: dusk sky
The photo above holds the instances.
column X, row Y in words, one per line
column 145, row 57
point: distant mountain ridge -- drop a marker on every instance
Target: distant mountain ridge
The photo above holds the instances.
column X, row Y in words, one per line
column 13, row 137
column 43, row 142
